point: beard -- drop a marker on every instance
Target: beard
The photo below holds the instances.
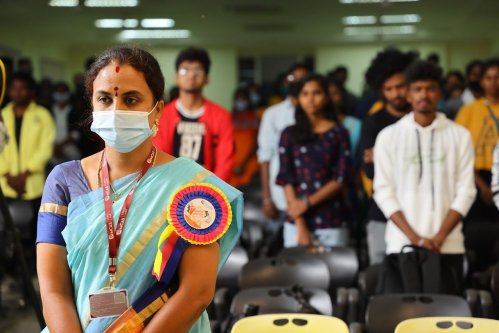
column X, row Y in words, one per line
column 399, row 104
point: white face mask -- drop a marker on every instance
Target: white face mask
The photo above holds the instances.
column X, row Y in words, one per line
column 122, row 130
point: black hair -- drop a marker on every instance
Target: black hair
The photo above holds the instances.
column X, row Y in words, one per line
column 423, row 70
column 472, row 64
column 341, row 68
column 434, row 57
column 194, row 54
column 136, row 57
column 302, row 130
column 387, row 63
column 489, row 63
column 341, row 87
column 457, row 74
column 26, row 78
column 242, row 91
column 89, row 62
column 62, row 84
column 299, row 65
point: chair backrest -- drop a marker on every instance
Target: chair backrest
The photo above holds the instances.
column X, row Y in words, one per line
column 368, row 280
column 307, row 272
column 342, row 262
column 385, row 312
column 448, row 325
column 229, row 274
column 252, row 236
column 290, row 323
column 22, row 215
column 280, row 300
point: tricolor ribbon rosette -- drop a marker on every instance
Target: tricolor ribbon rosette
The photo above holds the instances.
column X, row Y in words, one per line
column 198, row 214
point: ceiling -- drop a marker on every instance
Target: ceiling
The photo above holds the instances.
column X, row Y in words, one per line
column 247, row 24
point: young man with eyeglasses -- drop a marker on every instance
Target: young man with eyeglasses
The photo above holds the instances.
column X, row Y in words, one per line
column 192, row 126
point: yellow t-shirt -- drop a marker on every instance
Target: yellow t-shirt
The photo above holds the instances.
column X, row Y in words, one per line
column 484, row 130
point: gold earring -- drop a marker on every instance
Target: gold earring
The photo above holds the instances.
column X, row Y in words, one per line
column 155, row 128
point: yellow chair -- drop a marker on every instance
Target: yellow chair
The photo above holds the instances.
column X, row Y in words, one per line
column 290, row 323
column 448, row 325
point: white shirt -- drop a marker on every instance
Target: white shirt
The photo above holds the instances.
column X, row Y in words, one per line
column 467, row 96
column 274, row 121
column 424, row 172
column 61, row 122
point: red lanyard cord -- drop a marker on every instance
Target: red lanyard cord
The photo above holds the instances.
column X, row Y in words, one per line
column 114, row 236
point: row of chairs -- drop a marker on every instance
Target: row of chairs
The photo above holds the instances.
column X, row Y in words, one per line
column 327, row 281
column 297, row 323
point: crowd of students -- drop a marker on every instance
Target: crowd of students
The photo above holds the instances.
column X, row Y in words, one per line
column 410, row 162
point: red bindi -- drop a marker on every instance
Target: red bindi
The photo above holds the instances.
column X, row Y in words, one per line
column 117, row 69
column 116, row 91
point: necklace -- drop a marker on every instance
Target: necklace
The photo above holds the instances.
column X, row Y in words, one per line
column 117, row 194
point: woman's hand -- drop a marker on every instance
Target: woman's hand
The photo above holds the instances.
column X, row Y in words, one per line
column 297, row 207
column 303, row 235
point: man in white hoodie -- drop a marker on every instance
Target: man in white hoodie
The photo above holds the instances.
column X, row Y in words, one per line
column 424, row 178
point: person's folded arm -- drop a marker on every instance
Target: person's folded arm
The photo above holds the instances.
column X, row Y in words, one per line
column 56, row 289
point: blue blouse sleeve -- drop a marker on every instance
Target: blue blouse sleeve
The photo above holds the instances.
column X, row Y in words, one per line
column 52, row 217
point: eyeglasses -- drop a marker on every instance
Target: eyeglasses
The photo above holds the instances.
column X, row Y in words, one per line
column 183, row 71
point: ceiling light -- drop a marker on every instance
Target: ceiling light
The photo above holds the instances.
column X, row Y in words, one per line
column 359, row 20
column 130, row 23
column 398, row 30
column 407, row 18
column 157, row 23
column 111, row 3
column 116, row 23
column 385, row 30
column 154, row 34
column 109, row 23
column 63, row 3
column 347, row 2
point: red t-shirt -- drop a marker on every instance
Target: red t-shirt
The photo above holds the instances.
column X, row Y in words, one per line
column 209, row 139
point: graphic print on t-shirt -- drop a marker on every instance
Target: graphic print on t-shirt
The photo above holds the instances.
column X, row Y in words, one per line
column 189, row 139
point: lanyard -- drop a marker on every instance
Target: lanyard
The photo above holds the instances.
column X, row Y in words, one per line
column 494, row 118
column 114, row 236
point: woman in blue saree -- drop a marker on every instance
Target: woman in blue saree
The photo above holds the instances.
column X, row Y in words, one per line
column 130, row 239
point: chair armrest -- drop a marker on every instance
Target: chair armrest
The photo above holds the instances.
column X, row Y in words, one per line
column 486, row 304
column 341, row 304
column 353, row 312
column 356, row 328
column 471, row 296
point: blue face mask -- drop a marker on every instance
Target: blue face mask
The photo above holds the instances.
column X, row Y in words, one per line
column 121, row 130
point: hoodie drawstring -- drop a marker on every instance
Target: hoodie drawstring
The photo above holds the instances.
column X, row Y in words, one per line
column 420, row 160
column 420, row 157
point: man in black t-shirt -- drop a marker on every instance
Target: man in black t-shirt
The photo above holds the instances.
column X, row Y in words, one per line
column 386, row 75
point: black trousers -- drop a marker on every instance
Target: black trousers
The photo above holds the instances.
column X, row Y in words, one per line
column 481, row 232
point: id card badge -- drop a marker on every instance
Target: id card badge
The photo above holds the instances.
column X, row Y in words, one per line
column 108, row 302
